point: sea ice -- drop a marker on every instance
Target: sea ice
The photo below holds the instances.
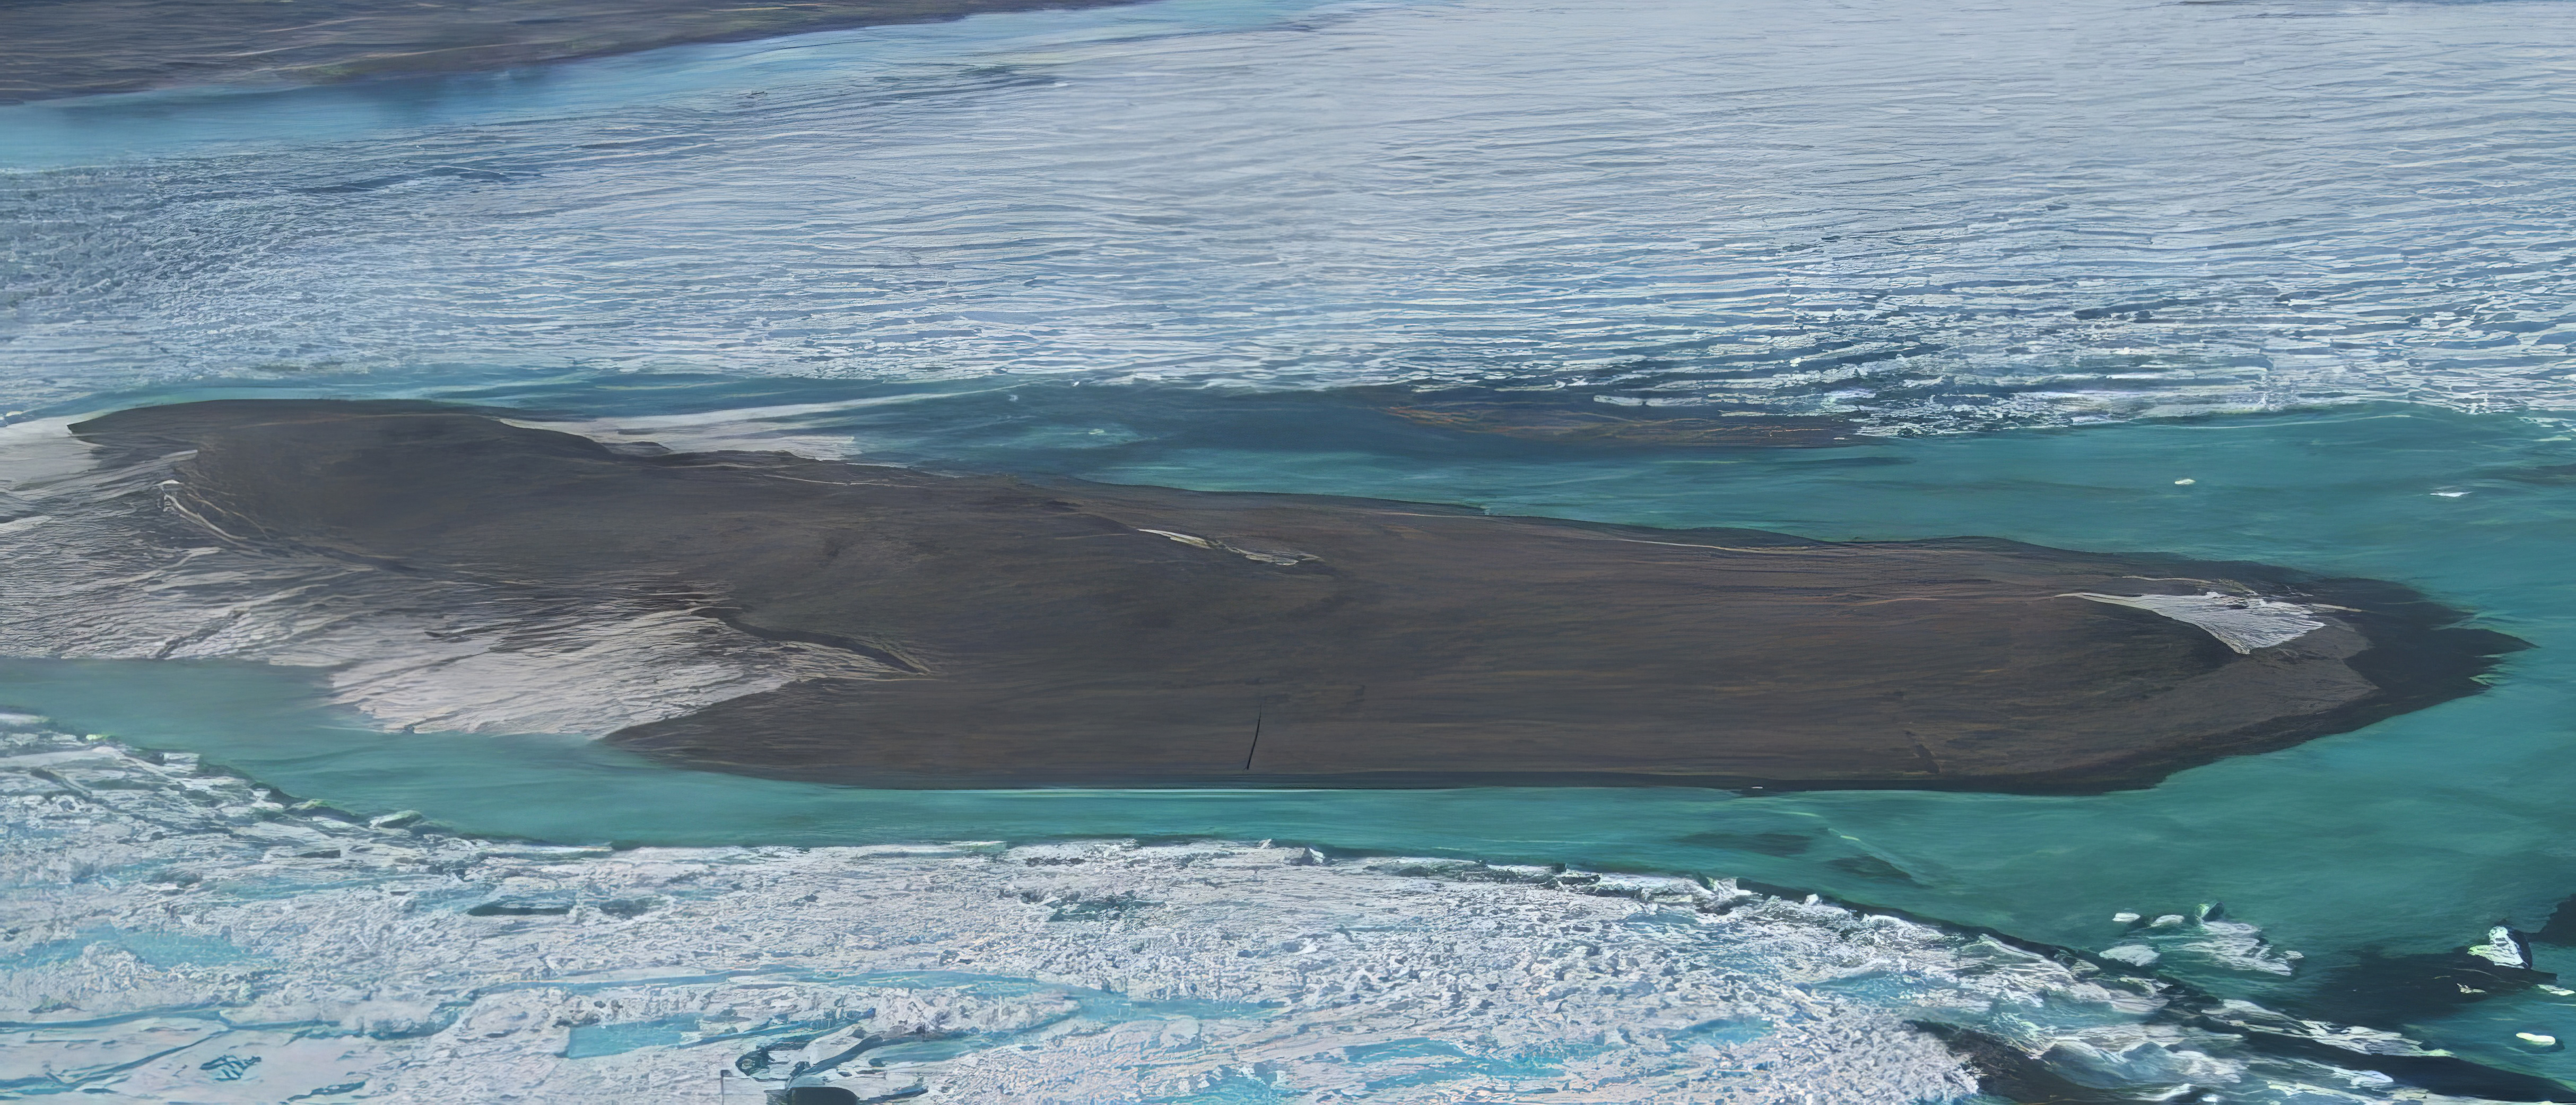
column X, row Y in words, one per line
column 175, row 933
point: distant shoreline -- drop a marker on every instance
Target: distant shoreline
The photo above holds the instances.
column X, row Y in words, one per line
column 66, row 48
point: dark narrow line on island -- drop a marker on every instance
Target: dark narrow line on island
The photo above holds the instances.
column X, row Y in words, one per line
column 1256, row 741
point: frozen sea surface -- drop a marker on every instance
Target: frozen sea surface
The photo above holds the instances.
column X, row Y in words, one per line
column 2007, row 213
column 174, row 933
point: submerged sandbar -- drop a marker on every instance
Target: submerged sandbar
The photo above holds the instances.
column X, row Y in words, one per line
column 1018, row 633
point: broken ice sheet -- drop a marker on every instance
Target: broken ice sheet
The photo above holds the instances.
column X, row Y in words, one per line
column 177, row 934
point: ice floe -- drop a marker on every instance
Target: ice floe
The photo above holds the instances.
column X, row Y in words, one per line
column 175, row 933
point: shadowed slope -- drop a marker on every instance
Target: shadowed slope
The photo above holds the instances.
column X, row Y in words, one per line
column 1090, row 634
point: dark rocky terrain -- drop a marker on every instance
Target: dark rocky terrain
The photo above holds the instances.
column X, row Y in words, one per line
column 1069, row 633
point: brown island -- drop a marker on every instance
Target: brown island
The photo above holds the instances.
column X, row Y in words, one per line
column 1068, row 633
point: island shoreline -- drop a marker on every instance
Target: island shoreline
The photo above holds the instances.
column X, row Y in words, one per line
column 891, row 628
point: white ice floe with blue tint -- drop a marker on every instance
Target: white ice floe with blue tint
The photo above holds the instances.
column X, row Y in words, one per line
column 174, row 933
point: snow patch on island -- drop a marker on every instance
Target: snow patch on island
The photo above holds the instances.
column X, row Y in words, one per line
column 116, row 562
column 2241, row 622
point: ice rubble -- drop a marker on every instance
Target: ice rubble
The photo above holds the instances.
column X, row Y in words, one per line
column 176, row 934
column 181, row 935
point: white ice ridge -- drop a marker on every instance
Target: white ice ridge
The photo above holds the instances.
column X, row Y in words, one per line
column 2242, row 622
column 173, row 934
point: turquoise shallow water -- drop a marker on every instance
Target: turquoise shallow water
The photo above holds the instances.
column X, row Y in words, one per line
column 2412, row 835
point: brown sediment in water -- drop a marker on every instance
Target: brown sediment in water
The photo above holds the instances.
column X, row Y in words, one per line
column 1068, row 633
column 85, row 47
